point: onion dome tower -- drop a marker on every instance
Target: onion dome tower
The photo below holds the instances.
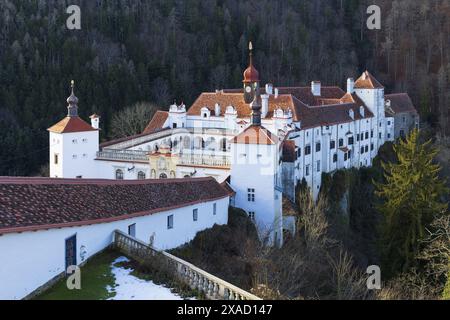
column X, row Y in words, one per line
column 251, row 78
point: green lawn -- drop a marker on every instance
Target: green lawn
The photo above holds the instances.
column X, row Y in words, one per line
column 95, row 277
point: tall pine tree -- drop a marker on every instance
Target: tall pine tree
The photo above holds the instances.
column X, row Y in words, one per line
column 411, row 197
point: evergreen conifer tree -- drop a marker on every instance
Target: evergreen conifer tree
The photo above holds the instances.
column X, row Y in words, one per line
column 411, row 198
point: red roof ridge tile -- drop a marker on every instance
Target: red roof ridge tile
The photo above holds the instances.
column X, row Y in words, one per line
column 65, row 181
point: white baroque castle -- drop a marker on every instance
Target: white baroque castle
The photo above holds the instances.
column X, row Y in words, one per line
column 259, row 141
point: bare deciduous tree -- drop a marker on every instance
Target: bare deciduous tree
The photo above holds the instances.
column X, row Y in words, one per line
column 132, row 120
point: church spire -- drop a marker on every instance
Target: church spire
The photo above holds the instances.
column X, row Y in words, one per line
column 72, row 100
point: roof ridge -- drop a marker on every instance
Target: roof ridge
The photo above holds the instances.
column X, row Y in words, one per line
column 68, row 181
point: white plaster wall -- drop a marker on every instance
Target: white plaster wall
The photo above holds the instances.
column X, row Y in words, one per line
column 256, row 166
column 82, row 145
column 30, row 259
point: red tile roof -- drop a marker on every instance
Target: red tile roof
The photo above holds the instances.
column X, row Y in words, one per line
column 71, row 124
column 401, row 102
column 28, row 204
column 157, row 122
column 367, row 81
column 228, row 188
column 328, row 115
column 255, row 135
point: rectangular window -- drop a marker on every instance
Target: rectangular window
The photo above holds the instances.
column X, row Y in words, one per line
column 170, row 222
column 345, row 156
column 372, row 147
column 307, row 170
column 335, row 158
column 318, row 166
column 317, row 146
column 371, row 133
column 174, row 126
column 362, row 150
column 332, row 145
column 367, row 149
column 132, row 230
column 367, row 135
column 251, row 215
column 251, row 195
column 299, row 152
column 351, row 141
column 357, row 137
column 214, row 208
column 379, row 135
column 307, row 150
column 341, row 142
column 56, row 158
column 195, row 214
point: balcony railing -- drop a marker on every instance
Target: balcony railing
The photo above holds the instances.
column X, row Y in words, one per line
column 211, row 286
column 123, row 155
column 204, row 160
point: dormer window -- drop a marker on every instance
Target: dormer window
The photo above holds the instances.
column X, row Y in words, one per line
column 205, row 113
column 351, row 114
column 361, row 111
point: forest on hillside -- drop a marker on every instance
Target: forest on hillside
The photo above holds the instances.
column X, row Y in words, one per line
column 164, row 50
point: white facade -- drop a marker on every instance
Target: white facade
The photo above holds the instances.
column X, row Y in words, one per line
column 72, row 154
column 254, row 178
column 31, row 259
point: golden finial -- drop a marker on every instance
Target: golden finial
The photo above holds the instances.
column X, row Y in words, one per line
column 250, row 46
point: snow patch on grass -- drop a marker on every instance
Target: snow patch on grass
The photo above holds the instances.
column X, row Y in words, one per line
column 129, row 287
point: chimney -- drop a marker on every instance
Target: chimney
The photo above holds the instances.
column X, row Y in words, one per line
column 276, row 93
column 269, row 88
column 350, row 85
column 315, row 88
column 95, row 121
column 217, row 110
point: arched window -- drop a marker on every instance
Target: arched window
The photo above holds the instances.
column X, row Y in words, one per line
column 199, row 143
column 187, row 176
column 141, row 175
column 187, row 142
column 211, row 143
column 223, row 144
column 153, row 174
column 119, row 174
column 163, row 176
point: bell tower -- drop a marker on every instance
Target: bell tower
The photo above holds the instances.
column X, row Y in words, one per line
column 251, row 79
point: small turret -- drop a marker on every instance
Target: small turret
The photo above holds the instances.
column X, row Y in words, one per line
column 72, row 100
